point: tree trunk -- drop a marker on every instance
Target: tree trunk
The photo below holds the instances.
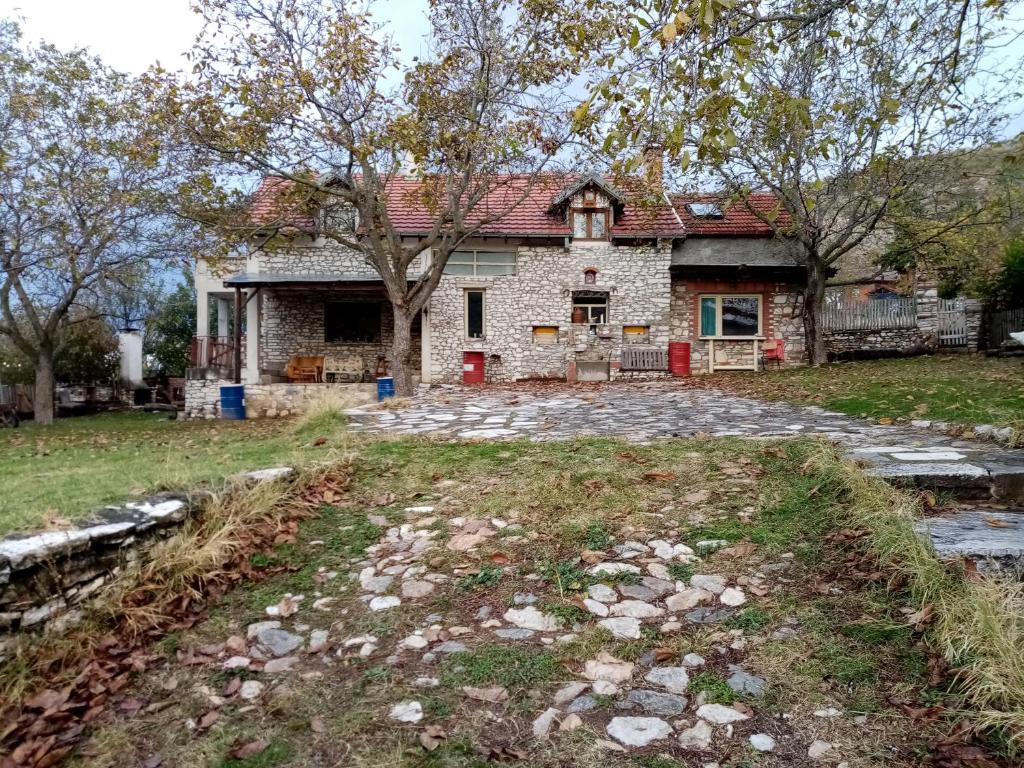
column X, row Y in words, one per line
column 401, row 352
column 42, row 398
column 814, row 303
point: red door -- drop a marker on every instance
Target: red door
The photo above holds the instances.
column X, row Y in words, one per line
column 472, row 367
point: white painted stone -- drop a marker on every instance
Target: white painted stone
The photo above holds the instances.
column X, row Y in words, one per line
column 542, row 725
column 673, row 679
column 567, row 693
column 603, row 593
column 596, row 608
column 698, row 737
column 612, row 569
column 531, row 618
column 382, row 603
column 607, row 667
column 762, row 742
column 818, row 749
column 732, row 597
column 687, row 599
column 636, row 609
column 713, row 583
column 929, row 456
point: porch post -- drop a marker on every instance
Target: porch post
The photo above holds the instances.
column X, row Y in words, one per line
column 425, row 346
column 202, row 313
column 238, row 336
column 252, row 338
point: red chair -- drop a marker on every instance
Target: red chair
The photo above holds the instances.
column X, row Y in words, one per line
column 772, row 351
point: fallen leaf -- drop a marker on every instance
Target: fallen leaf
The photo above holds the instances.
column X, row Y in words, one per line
column 431, row 737
column 322, row 441
column 243, row 751
column 207, row 720
column 922, row 618
column 500, row 557
column 316, row 725
column 493, row 695
column 742, row 549
column 995, row 522
column 660, row 476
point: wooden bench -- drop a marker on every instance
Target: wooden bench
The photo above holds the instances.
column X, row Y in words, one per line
column 643, row 359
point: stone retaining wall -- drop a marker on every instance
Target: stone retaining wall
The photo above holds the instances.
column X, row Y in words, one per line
column 897, row 341
column 46, row 578
column 267, row 401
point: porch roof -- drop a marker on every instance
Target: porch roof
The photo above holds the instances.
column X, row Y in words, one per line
column 281, row 279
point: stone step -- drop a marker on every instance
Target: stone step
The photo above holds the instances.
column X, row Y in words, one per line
column 999, row 478
column 993, row 538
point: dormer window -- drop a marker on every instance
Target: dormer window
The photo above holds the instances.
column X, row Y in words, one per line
column 589, row 223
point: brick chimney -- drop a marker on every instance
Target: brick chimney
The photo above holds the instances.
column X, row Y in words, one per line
column 654, row 167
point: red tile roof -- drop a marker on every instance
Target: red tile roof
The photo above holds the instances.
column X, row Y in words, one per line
column 523, row 207
column 739, row 220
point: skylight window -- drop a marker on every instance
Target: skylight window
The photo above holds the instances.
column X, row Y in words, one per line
column 705, row 210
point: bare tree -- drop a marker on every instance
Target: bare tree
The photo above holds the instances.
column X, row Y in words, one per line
column 80, row 172
column 302, row 90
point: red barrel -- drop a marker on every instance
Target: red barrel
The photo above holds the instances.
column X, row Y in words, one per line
column 679, row 358
column 472, row 367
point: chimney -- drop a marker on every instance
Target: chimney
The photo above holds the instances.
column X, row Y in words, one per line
column 408, row 165
column 654, row 167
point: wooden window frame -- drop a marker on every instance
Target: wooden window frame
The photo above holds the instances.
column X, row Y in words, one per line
column 718, row 315
column 483, row 313
column 590, row 213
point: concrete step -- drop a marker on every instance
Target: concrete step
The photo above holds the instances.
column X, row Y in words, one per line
column 994, row 538
column 997, row 475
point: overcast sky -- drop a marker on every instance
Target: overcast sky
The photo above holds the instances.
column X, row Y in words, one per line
column 132, row 34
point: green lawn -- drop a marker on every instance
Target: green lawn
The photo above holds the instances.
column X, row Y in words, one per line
column 67, row 470
column 961, row 389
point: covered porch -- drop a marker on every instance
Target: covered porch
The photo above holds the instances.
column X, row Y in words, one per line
column 314, row 329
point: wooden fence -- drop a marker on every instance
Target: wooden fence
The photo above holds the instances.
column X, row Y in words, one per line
column 1002, row 324
column 844, row 314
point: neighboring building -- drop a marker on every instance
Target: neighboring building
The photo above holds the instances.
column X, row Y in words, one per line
column 581, row 281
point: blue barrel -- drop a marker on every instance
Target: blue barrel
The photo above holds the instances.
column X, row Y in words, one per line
column 385, row 387
column 232, row 401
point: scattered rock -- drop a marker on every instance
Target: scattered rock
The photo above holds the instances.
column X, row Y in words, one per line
column 698, row 737
column 708, row 615
column 542, row 725
column 407, row 712
column 317, row 641
column 604, row 688
column 687, row 599
column 253, row 630
column 657, row 703
column 531, row 618
column 603, row 593
column 277, row 666
column 277, row 642
column 414, row 642
column 638, row 592
column 596, row 608
column 414, row 589
column 384, row 602
column 719, row 714
column 638, row 731
column 762, row 742
column 524, row 598
column 623, row 628
column 693, row 660
column 451, row 646
column 570, row 723
column 237, row 662
column 636, row 609
column 674, row 679
column 612, row 569
column 495, row 694
column 829, row 712
column 251, row 689
column 462, row 542
column 607, row 667
column 568, row 692
column 582, row 704
column 713, row 583
column 732, row 597
column 426, row 682
column 818, row 749
column 743, row 682
column 514, row 633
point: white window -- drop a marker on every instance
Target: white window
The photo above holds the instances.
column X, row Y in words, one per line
column 589, row 308
column 725, row 316
column 481, row 263
column 474, row 314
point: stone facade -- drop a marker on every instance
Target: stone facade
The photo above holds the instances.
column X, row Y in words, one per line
column 781, row 307
column 267, row 401
column 890, row 341
column 635, row 279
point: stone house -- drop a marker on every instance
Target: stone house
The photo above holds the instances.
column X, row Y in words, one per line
column 580, row 281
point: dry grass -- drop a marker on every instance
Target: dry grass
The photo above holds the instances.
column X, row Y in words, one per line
column 978, row 623
column 324, row 411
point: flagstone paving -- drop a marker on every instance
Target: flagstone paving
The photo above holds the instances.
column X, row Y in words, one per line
column 645, row 411
column 641, row 412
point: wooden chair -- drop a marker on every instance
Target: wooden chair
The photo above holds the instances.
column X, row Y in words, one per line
column 305, row 368
column 772, row 351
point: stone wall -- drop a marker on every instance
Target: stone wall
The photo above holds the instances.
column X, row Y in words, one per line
column 781, row 305
column 268, row 401
column 304, row 256
column 46, row 578
column 891, row 341
column 636, row 279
